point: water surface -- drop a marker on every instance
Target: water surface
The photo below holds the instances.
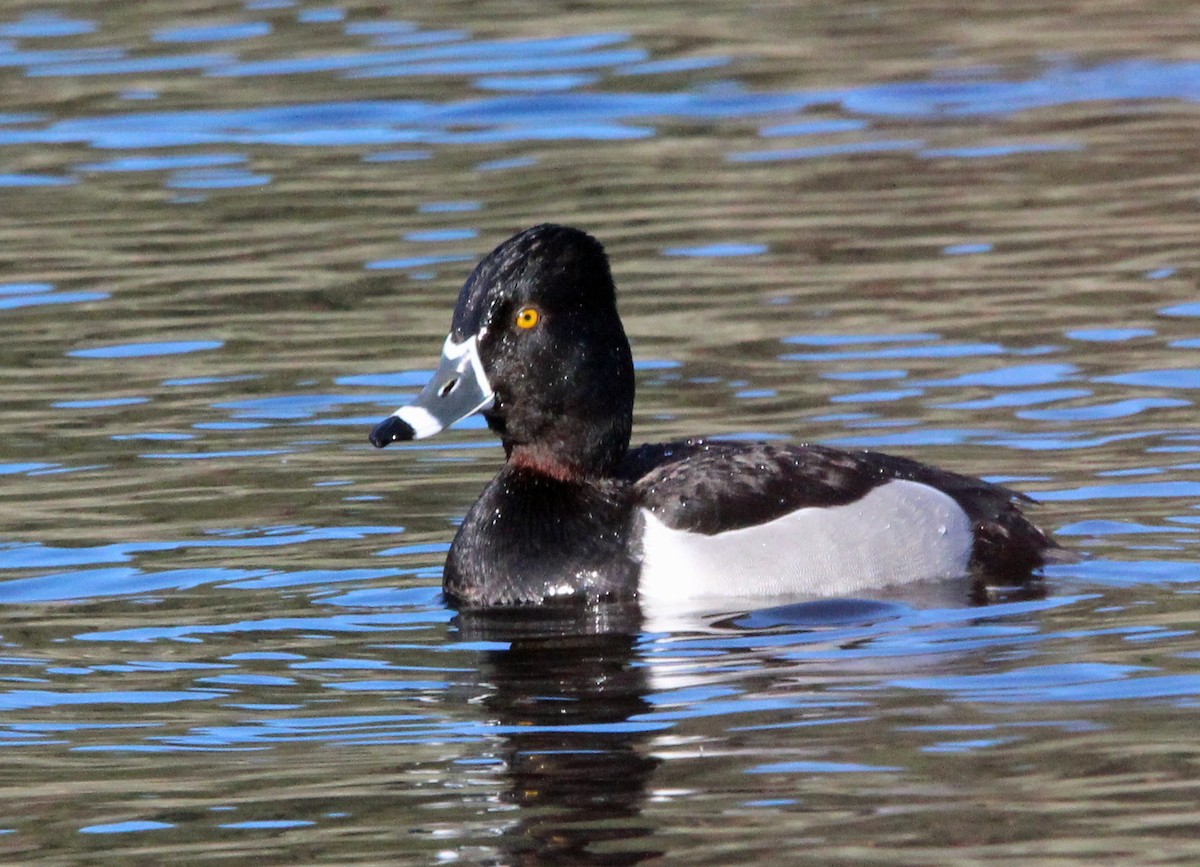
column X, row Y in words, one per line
column 232, row 237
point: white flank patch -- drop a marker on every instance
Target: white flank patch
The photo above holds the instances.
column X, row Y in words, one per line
column 420, row 420
column 899, row 532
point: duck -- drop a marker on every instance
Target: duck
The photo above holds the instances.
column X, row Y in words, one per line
column 536, row 346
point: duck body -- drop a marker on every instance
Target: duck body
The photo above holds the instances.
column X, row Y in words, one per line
column 536, row 345
column 531, row 537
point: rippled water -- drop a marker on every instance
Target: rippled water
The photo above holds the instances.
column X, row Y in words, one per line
column 231, row 241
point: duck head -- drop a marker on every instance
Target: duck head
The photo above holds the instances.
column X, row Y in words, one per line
column 536, row 345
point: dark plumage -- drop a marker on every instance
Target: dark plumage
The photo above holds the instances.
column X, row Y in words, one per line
column 532, row 537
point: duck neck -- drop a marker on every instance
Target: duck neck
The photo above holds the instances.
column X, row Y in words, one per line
column 570, row 459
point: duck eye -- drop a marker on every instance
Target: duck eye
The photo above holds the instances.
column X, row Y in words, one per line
column 528, row 317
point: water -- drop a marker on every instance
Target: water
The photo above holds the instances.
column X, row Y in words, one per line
column 231, row 241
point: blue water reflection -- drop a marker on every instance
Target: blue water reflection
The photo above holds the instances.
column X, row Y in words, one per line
column 559, row 108
column 46, row 25
column 1079, row 682
column 148, row 350
column 215, row 33
column 15, row 295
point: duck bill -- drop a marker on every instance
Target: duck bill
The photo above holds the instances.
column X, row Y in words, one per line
column 459, row 388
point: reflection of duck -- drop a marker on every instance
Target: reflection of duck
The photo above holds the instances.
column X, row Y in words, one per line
column 575, row 764
column 536, row 345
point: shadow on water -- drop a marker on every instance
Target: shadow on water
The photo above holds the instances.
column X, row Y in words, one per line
column 565, row 692
column 573, row 695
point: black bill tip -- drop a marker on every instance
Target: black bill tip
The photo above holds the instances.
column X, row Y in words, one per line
column 391, row 430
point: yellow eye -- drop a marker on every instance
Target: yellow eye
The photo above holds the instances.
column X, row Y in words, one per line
column 528, row 317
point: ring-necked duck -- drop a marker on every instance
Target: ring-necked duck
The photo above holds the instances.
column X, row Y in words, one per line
column 536, row 345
